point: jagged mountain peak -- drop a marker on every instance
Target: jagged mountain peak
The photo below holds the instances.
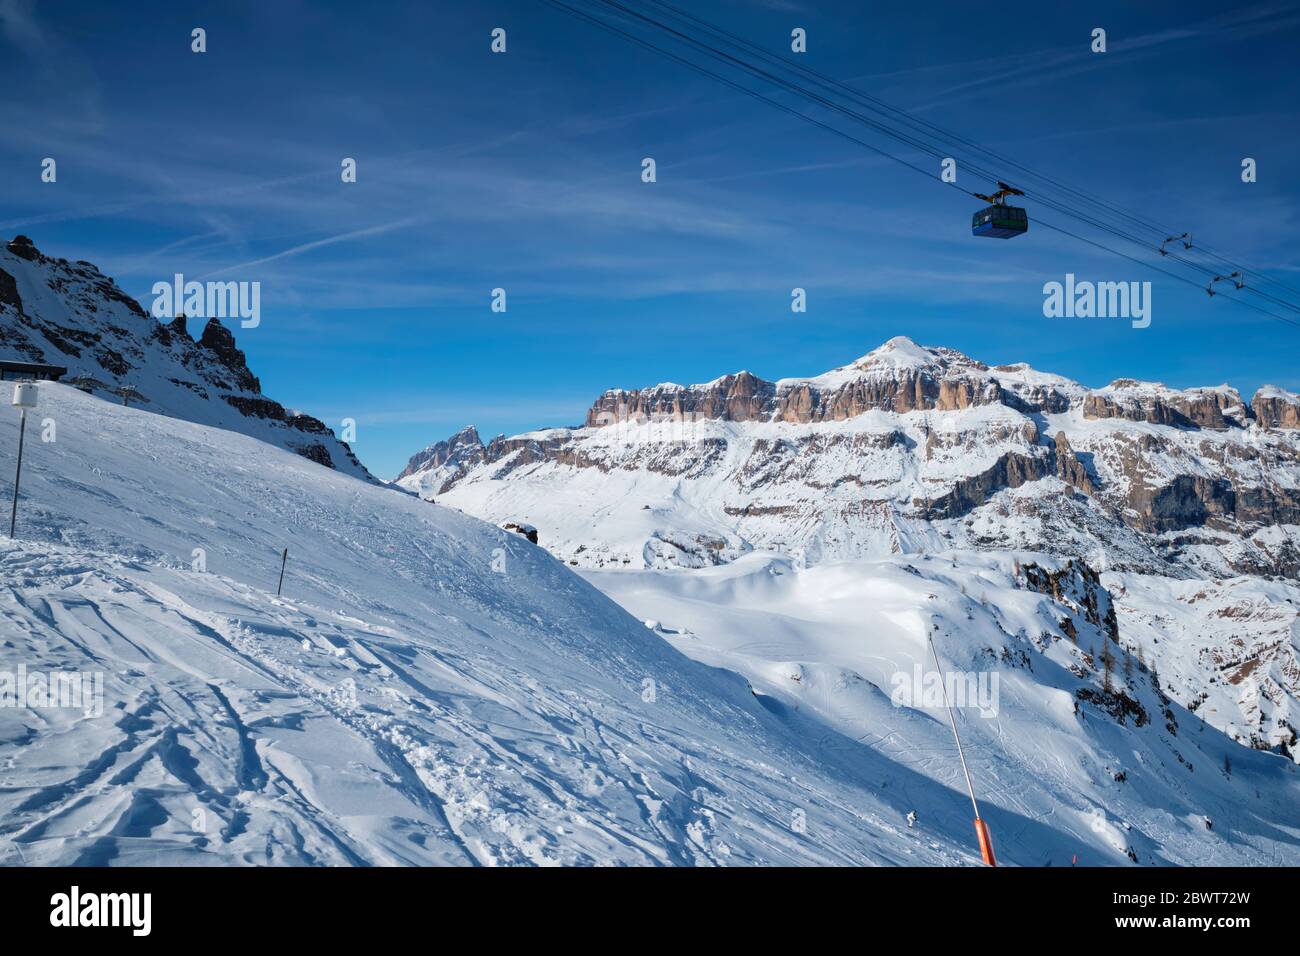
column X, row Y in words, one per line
column 462, row 449
column 69, row 314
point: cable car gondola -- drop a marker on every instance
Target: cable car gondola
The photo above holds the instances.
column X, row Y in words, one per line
column 998, row 220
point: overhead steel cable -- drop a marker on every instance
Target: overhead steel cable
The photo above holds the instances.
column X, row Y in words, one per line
column 942, row 134
column 784, row 83
column 916, row 121
column 1173, row 275
column 938, row 151
column 928, row 174
column 789, row 86
column 932, row 150
column 1248, row 270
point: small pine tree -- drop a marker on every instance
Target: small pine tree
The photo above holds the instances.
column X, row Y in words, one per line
column 1107, row 668
column 1227, row 765
column 1128, row 666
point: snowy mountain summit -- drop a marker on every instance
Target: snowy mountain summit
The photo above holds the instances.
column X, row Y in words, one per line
column 69, row 314
column 908, row 448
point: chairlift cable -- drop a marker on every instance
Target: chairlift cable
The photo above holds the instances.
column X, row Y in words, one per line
column 1173, row 275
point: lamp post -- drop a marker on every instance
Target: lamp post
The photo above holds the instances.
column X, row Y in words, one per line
column 24, row 398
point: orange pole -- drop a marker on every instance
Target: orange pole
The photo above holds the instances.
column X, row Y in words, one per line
column 986, row 842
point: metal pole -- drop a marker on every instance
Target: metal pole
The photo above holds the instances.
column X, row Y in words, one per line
column 970, row 787
column 981, row 830
column 284, row 559
column 22, row 432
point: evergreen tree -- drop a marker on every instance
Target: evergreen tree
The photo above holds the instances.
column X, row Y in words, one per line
column 1107, row 668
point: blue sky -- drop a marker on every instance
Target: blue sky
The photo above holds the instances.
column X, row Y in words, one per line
column 523, row 171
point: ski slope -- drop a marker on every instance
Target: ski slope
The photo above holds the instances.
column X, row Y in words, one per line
column 430, row 689
column 403, row 702
column 828, row 641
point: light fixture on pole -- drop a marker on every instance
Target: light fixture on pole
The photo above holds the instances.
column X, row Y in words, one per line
column 24, row 398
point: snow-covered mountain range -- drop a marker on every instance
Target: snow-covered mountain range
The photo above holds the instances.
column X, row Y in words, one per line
column 431, row 689
column 908, row 448
column 70, row 314
column 1189, row 499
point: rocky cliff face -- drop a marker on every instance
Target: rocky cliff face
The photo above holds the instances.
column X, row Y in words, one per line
column 1185, row 501
column 908, row 448
column 70, row 314
column 894, row 379
column 1276, row 408
column 1135, row 401
column 464, row 447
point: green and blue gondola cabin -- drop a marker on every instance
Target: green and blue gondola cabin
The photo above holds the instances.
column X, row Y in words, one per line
column 999, row 222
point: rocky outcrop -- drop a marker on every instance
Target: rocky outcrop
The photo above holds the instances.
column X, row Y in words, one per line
column 1218, row 408
column 519, row 527
column 9, row 292
column 905, row 391
column 1187, row 501
column 463, row 449
column 744, row 397
column 1276, row 408
column 740, row 398
column 1022, row 392
column 218, row 340
column 1077, row 585
column 1068, row 467
column 316, row 452
column 1010, row 471
column 110, row 345
column 24, row 248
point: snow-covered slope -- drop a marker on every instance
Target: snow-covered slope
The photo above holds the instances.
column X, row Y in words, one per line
column 71, row 315
column 912, row 450
column 1126, row 773
column 1228, row 649
column 428, row 688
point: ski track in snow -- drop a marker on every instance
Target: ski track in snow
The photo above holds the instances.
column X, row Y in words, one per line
column 434, row 690
column 402, row 703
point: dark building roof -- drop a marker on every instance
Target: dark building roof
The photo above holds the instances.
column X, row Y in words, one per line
column 34, row 369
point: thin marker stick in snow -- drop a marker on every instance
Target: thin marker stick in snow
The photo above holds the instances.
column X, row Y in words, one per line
column 18, row 473
column 284, row 559
column 981, row 831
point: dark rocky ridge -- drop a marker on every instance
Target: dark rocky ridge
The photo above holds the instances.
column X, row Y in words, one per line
column 77, row 317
